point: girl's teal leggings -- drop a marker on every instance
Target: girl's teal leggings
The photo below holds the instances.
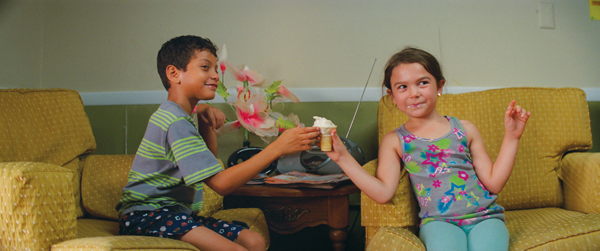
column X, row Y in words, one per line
column 486, row 235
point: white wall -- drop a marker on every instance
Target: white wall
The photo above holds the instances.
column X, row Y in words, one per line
column 111, row 45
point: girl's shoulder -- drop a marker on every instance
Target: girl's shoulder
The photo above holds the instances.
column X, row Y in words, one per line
column 391, row 139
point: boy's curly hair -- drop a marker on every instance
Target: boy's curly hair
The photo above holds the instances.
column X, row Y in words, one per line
column 178, row 52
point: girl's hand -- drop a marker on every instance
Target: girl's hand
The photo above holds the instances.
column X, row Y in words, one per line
column 210, row 116
column 295, row 140
column 338, row 149
column 515, row 119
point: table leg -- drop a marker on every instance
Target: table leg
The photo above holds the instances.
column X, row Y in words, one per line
column 338, row 221
column 338, row 237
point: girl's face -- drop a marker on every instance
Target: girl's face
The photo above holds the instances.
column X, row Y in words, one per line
column 414, row 90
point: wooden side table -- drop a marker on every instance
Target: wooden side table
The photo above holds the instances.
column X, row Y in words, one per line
column 289, row 210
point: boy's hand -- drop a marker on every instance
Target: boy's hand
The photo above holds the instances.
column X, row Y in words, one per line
column 295, row 140
column 515, row 119
column 338, row 149
column 210, row 116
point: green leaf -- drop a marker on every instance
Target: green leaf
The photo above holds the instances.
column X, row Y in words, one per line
column 222, row 90
column 284, row 123
column 273, row 87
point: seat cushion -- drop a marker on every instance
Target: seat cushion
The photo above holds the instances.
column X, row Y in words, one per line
column 121, row 243
column 99, row 234
column 552, row 229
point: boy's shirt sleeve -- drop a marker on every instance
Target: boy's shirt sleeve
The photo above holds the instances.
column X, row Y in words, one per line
column 191, row 154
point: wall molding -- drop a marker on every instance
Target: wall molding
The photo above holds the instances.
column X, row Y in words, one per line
column 304, row 94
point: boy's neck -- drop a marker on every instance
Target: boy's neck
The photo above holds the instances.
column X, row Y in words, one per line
column 185, row 103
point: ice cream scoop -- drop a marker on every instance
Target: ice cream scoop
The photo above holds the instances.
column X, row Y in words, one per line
column 326, row 127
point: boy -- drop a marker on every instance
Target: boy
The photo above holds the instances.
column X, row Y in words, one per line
column 174, row 160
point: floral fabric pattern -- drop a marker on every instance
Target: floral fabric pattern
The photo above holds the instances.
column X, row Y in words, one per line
column 444, row 180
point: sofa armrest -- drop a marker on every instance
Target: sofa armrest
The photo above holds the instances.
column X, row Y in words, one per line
column 580, row 173
column 401, row 211
column 37, row 207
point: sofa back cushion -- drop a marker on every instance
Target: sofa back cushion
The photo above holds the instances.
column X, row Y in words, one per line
column 45, row 125
column 559, row 123
column 104, row 177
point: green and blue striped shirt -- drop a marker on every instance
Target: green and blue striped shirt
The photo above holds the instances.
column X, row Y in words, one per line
column 170, row 165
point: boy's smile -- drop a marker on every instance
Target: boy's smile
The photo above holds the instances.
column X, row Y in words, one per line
column 200, row 78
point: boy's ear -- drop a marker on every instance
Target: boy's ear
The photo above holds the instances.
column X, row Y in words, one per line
column 172, row 74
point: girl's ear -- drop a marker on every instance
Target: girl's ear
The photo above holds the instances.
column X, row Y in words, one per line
column 172, row 74
column 389, row 92
column 440, row 85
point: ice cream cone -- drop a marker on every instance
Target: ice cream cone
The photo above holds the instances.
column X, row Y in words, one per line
column 326, row 138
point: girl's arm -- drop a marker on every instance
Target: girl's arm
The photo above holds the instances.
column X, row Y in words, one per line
column 382, row 188
column 494, row 175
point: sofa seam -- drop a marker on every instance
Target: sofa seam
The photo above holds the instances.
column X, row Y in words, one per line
column 562, row 238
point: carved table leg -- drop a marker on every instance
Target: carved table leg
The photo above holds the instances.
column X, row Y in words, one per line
column 338, row 238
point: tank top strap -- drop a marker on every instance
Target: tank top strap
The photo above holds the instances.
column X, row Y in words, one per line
column 399, row 132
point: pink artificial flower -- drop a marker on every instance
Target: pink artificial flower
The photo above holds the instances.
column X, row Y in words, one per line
column 245, row 74
column 223, row 59
column 243, row 94
column 281, row 90
column 254, row 116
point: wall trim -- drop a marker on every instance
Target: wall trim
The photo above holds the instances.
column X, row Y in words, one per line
column 304, row 94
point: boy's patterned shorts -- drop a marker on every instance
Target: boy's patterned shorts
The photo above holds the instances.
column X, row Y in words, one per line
column 167, row 223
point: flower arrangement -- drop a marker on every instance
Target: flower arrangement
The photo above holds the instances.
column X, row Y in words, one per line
column 252, row 107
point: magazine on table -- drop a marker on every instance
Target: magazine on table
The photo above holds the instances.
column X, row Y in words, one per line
column 301, row 179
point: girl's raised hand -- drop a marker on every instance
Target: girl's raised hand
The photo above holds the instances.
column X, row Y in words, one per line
column 515, row 120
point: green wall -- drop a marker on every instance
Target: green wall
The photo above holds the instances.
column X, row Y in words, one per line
column 119, row 128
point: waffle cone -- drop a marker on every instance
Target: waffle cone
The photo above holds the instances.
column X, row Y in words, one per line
column 326, row 138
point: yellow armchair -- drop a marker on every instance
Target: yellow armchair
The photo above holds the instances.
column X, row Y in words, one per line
column 551, row 199
column 54, row 197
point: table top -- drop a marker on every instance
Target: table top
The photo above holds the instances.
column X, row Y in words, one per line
column 278, row 191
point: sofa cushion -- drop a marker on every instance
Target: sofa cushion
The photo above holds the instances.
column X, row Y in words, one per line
column 551, row 229
column 122, row 243
column 103, row 179
column 45, row 125
column 550, row 133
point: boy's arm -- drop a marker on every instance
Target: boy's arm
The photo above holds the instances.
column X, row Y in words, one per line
column 291, row 141
column 210, row 118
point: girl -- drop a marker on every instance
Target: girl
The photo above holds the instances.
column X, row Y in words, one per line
column 452, row 175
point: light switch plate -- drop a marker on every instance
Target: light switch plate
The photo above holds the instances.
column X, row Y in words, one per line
column 546, row 15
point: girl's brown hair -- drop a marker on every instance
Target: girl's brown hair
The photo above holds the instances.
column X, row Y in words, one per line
column 411, row 55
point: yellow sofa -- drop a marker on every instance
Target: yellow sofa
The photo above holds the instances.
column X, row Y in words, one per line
column 552, row 198
column 54, row 197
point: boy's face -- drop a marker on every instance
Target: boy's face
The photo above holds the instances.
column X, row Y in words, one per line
column 200, row 79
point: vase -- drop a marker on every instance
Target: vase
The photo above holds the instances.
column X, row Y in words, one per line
column 245, row 153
